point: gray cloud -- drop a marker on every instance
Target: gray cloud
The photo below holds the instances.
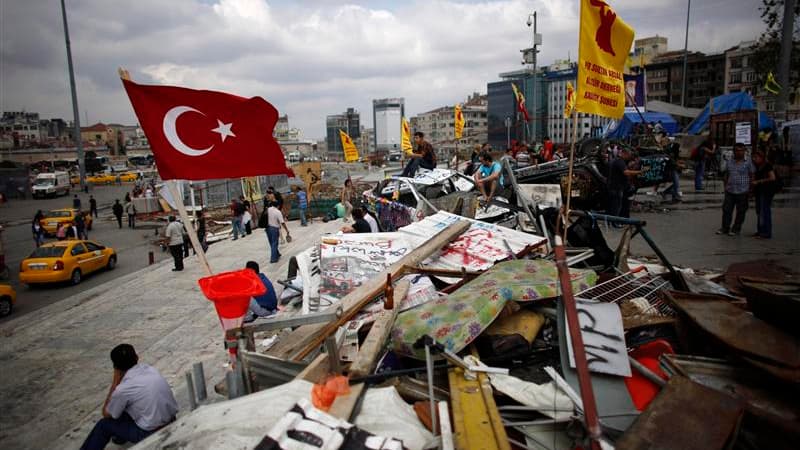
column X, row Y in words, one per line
column 313, row 58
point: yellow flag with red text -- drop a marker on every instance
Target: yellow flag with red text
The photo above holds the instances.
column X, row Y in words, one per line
column 350, row 150
column 569, row 104
column 405, row 137
column 458, row 121
column 604, row 43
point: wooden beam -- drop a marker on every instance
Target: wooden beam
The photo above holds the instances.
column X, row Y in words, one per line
column 343, row 405
column 441, row 272
column 302, row 341
column 316, row 371
column 376, row 339
column 476, row 420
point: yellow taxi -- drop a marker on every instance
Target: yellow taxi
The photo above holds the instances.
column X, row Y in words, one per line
column 69, row 260
column 102, row 178
column 75, row 180
column 63, row 216
column 128, row 177
column 8, row 297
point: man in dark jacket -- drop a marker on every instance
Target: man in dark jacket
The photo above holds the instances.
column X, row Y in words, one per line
column 117, row 210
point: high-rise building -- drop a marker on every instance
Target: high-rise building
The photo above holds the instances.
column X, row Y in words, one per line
column 350, row 123
column 705, row 78
column 386, row 118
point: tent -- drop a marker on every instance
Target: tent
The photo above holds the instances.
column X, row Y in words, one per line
column 625, row 125
column 739, row 101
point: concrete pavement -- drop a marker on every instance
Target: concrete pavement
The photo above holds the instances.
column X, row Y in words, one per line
column 56, row 368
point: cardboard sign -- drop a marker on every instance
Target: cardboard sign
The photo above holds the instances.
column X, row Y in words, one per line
column 743, row 133
column 603, row 338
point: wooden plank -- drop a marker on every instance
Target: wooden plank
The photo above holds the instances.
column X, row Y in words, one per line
column 305, row 339
column 376, row 339
column 343, row 405
column 317, row 370
column 476, row 420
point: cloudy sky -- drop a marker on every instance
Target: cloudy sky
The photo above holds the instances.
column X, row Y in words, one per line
column 310, row 58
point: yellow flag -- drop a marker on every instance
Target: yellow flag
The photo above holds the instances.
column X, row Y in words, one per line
column 605, row 41
column 569, row 104
column 350, row 150
column 771, row 85
column 459, row 121
column 405, row 138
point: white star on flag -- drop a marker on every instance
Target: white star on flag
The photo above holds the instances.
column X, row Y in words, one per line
column 224, row 130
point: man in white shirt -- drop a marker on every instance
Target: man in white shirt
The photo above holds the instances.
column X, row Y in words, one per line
column 139, row 402
column 373, row 224
column 174, row 235
column 274, row 223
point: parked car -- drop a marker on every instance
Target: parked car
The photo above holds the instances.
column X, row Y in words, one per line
column 69, row 260
column 8, row 297
column 65, row 215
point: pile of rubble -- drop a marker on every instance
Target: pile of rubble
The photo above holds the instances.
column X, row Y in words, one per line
column 454, row 333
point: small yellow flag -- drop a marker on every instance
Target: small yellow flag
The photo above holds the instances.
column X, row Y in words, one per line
column 604, row 43
column 569, row 104
column 459, row 121
column 405, row 137
column 771, row 85
column 350, row 150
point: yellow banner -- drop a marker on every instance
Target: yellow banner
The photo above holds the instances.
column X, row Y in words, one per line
column 405, row 133
column 311, row 174
column 350, row 150
column 251, row 189
column 569, row 104
column 605, row 41
column 459, row 121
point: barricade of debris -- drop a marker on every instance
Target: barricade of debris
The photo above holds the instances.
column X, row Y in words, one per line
column 452, row 332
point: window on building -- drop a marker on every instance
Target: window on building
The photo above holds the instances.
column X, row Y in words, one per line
column 735, row 78
column 750, row 77
column 736, row 63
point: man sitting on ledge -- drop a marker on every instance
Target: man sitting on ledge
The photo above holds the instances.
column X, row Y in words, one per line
column 423, row 156
column 139, row 402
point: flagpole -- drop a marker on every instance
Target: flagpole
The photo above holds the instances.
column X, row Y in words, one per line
column 172, row 185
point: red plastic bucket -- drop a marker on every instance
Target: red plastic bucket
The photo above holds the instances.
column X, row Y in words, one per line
column 231, row 291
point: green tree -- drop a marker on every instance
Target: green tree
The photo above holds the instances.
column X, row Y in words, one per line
column 765, row 59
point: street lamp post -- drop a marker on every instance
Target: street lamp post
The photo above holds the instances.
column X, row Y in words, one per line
column 76, row 115
column 537, row 40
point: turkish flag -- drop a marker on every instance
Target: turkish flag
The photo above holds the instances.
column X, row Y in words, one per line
column 201, row 135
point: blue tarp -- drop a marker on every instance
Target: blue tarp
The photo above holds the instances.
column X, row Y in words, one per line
column 739, row 101
column 625, row 125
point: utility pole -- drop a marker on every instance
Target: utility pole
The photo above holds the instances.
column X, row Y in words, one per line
column 785, row 56
column 537, row 40
column 75, row 110
column 685, row 55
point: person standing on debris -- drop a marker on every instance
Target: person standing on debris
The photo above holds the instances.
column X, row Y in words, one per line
column 359, row 224
column 488, row 176
column 764, row 187
column 424, row 156
column 347, row 198
column 117, row 210
column 139, row 402
column 76, row 202
column 738, row 178
column 264, row 305
column 618, row 183
column 130, row 209
column 92, row 206
column 302, row 204
column 174, row 236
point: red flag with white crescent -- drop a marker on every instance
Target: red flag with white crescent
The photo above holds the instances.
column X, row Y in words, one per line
column 201, row 135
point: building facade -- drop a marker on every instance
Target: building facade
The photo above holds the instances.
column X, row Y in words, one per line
column 646, row 49
column 438, row 125
column 350, row 123
column 705, row 78
column 23, row 128
column 387, row 114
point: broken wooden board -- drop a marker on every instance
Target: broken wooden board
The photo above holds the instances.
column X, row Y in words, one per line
column 343, row 405
column 305, row 339
column 687, row 416
column 476, row 421
column 376, row 339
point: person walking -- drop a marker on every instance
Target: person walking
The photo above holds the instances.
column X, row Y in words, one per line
column 130, row 209
column 37, row 229
column 237, row 211
column 117, row 210
column 302, row 204
column 200, row 223
column 764, row 186
column 272, row 219
column 738, row 178
column 92, row 206
column 619, row 183
column 174, row 235
column 700, row 155
column 80, row 225
column 76, row 202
